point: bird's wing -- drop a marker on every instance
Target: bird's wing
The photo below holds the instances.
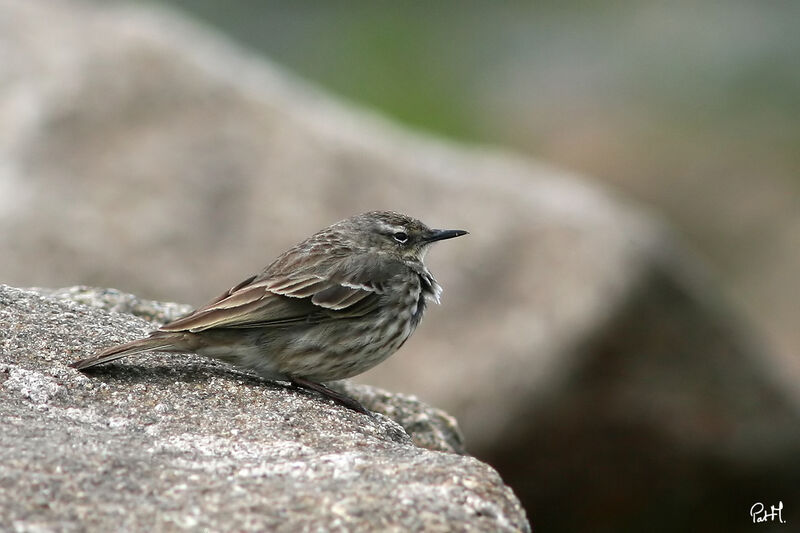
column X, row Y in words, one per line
column 310, row 292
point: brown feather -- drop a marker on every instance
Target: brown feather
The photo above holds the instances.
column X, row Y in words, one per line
column 155, row 342
column 276, row 299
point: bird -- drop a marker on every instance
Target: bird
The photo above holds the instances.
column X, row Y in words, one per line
column 329, row 308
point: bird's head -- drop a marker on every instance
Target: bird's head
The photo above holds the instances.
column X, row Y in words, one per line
column 396, row 234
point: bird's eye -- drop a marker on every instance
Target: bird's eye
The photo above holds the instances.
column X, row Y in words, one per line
column 401, row 237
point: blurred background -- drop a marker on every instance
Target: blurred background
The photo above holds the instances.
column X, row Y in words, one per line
column 690, row 107
column 618, row 336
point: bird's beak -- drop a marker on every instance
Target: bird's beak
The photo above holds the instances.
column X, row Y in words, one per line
column 442, row 234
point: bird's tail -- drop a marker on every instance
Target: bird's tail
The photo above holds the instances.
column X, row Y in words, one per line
column 154, row 342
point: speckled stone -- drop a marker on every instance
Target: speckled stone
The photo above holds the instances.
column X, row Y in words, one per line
column 177, row 442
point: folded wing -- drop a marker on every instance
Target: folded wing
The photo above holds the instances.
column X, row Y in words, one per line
column 311, row 292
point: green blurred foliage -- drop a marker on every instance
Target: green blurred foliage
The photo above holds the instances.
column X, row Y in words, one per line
column 441, row 66
column 392, row 57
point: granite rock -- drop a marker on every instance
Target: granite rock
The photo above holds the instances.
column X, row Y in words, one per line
column 167, row 442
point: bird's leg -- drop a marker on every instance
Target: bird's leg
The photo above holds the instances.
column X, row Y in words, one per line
column 337, row 397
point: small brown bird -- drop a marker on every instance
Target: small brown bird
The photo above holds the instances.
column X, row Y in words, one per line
column 331, row 307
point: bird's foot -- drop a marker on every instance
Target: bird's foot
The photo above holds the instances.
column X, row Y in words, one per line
column 338, row 397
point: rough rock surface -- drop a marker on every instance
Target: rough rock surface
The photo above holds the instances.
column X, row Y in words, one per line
column 577, row 344
column 166, row 442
